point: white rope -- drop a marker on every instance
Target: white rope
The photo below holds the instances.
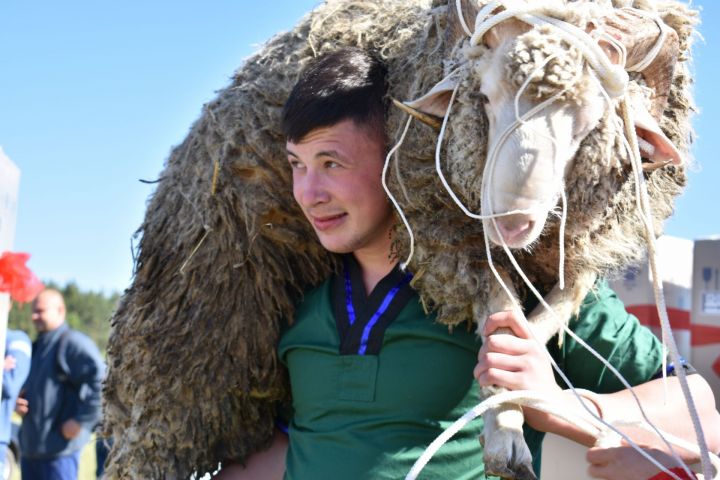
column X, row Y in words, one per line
column 629, row 140
column 492, row 154
column 587, row 423
column 655, row 50
column 559, row 321
column 461, row 17
column 561, row 240
column 645, row 211
column 490, row 164
column 395, row 203
column 614, row 77
column 574, row 336
column 601, row 33
column 487, row 200
column 580, row 341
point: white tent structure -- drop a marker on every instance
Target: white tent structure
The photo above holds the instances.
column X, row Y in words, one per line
column 9, row 184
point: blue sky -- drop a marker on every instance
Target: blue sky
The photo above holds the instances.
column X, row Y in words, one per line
column 93, row 94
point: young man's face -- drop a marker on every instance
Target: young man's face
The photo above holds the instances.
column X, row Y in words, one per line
column 337, row 183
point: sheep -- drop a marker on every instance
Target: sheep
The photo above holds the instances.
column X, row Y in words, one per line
column 522, row 166
column 225, row 253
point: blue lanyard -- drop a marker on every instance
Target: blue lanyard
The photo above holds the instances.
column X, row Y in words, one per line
column 376, row 316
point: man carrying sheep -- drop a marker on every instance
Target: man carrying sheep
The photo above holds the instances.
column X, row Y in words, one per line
column 374, row 378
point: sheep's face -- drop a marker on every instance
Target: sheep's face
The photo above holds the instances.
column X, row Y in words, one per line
column 528, row 159
column 543, row 99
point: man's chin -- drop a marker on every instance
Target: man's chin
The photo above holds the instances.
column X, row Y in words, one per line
column 335, row 246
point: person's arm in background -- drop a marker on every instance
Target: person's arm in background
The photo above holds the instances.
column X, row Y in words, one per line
column 625, row 463
column 519, row 363
column 19, row 348
column 86, row 371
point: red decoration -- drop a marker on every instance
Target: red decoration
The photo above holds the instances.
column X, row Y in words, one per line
column 704, row 334
column 679, row 472
column 17, row 279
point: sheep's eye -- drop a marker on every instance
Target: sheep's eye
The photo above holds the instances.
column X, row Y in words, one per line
column 484, row 100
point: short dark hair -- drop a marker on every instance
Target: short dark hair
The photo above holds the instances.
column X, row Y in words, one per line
column 345, row 84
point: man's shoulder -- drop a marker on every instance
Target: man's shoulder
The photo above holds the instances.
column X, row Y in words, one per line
column 18, row 341
column 75, row 336
column 18, row 336
column 74, row 341
column 317, row 291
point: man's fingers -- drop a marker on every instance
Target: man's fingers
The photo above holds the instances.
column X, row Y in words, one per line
column 598, row 470
column 511, row 363
column 507, row 319
column 600, row 455
column 507, row 344
column 498, row 377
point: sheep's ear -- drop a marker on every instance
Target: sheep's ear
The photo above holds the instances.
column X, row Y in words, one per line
column 436, row 101
column 654, row 144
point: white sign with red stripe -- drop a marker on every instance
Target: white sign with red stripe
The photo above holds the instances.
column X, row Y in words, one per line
column 635, row 289
column 706, row 312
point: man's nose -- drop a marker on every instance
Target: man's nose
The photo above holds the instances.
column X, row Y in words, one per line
column 313, row 190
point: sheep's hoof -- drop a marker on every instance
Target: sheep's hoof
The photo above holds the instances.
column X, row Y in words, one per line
column 507, row 456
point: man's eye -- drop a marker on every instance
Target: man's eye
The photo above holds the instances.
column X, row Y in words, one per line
column 294, row 164
column 331, row 164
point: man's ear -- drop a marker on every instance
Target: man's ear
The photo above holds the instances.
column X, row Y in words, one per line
column 436, row 101
column 654, row 144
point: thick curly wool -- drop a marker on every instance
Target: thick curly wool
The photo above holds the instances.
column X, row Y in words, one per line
column 531, row 56
column 193, row 377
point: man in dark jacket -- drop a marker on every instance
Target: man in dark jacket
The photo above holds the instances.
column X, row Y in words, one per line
column 62, row 393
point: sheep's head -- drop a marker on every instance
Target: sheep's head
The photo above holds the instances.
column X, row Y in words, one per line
column 544, row 95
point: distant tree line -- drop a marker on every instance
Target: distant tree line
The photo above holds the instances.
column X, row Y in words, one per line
column 87, row 311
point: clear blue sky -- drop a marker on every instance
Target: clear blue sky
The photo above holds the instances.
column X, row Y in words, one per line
column 93, row 94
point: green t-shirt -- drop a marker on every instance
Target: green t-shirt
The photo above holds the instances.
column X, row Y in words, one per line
column 371, row 415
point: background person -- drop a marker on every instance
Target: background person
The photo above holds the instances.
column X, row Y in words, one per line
column 18, row 351
column 62, row 393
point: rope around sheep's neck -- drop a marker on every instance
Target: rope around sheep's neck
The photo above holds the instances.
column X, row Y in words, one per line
column 403, row 265
column 587, row 423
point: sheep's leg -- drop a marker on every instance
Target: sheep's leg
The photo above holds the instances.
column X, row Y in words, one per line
column 564, row 303
column 506, row 453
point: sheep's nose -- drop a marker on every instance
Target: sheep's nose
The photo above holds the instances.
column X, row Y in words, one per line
column 514, row 228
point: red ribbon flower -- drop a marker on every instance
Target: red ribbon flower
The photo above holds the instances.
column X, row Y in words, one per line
column 17, row 279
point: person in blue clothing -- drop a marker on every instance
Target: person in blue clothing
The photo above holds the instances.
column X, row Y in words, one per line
column 18, row 351
column 62, row 392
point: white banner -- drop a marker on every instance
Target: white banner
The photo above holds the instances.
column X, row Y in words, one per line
column 9, row 183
